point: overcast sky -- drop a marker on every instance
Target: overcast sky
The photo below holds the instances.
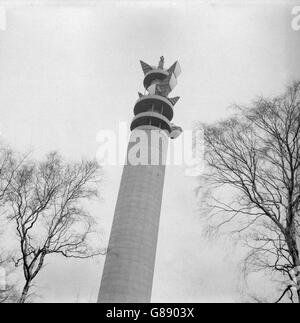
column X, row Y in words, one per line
column 69, row 69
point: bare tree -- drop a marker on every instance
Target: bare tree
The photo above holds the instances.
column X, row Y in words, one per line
column 47, row 202
column 8, row 167
column 256, row 156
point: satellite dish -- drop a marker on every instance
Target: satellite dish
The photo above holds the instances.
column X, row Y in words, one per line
column 175, row 131
column 152, row 89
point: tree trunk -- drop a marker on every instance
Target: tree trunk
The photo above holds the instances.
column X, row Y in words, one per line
column 25, row 292
column 294, row 252
column 297, row 275
column 298, row 294
column 297, row 279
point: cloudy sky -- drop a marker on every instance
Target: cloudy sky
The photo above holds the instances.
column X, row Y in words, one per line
column 69, row 69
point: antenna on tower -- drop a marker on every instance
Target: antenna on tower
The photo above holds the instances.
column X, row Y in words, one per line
column 161, row 62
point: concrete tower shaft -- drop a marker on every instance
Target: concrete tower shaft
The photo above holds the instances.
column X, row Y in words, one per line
column 129, row 265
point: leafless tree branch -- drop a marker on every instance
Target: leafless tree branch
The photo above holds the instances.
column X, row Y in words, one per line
column 46, row 200
column 256, row 156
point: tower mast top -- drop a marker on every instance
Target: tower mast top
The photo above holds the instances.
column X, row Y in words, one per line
column 155, row 107
column 161, row 62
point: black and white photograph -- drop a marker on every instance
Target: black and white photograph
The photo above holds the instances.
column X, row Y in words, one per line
column 149, row 154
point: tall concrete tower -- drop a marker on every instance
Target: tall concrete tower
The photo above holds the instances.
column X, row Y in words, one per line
column 129, row 265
